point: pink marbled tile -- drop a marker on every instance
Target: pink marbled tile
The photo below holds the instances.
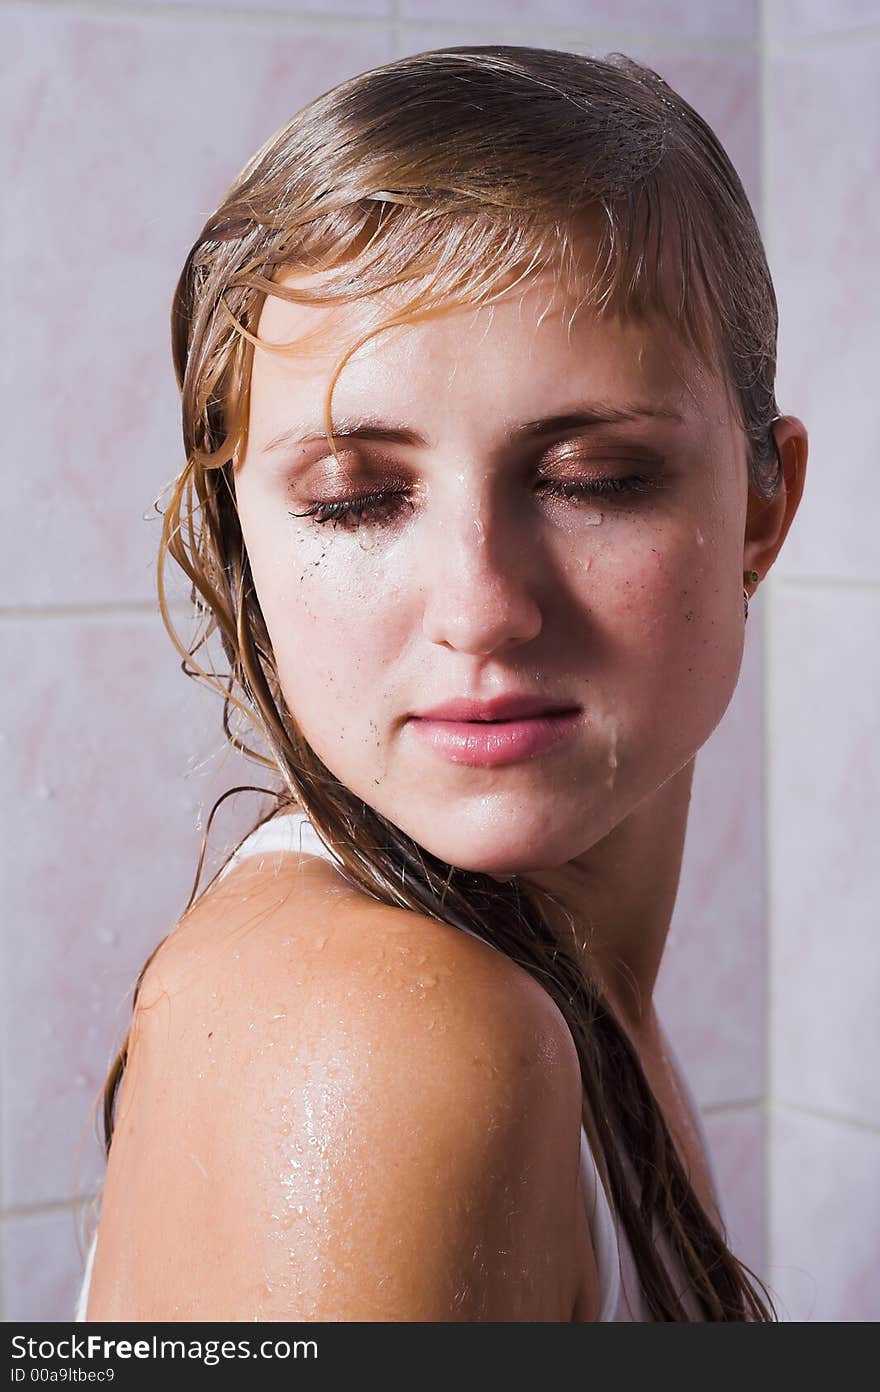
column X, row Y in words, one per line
column 786, row 22
column 725, row 19
column 123, row 132
column 712, row 985
column 104, row 741
column 825, row 1219
column 823, row 209
column 737, row 1142
column 824, row 752
column 42, row 1266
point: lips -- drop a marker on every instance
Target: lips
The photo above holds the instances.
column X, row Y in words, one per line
column 516, row 706
column 487, row 743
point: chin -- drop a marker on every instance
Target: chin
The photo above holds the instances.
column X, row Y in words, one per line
column 507, row 869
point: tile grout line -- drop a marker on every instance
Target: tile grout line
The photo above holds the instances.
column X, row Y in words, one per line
column 11, row 613
column 832, row 1118
column 315, row 20
column 48, row 1206
column 749, row 1104
column 825, row 582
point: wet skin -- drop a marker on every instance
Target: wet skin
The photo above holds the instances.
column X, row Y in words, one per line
column 351, row 1051
column 480, row 579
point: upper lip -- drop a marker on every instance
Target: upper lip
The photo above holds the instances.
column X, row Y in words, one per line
column 499, row 708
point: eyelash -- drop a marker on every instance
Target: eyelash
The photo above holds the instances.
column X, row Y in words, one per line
column 343, row 511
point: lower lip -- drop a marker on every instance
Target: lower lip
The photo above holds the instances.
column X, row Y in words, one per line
column 503, row 742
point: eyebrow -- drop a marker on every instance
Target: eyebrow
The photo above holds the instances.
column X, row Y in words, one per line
column 372, row 428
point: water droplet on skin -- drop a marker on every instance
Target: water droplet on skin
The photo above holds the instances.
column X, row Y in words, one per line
column 701, row 540
column 588, row 562
column 614, row 725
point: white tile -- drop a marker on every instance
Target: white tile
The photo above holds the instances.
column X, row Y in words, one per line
column 103, row 737
column 823, row 116
column 824, row 780
column 825, row 1219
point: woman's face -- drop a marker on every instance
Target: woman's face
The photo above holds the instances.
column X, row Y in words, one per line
column 495, row 569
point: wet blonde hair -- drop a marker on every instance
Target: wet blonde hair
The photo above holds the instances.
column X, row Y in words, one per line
column 451, row 177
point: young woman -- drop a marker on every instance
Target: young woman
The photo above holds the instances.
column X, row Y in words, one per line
column 483, row 463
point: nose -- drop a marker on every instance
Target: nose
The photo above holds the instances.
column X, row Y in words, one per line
column 478, row 581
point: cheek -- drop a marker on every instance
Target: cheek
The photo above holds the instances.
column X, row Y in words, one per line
column 672, row 580
column 640, row 586
column 664, row 634
column 334, row 630
column 325, row 606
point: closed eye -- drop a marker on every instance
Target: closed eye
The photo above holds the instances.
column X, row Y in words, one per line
column 381, row 506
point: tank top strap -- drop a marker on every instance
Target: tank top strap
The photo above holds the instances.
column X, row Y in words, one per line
column 698, row 1122
column 82, row 1300
column 282, row 834
column 603, row 1234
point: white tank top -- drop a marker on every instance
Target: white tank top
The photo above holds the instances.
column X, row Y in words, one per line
column 620, row 1294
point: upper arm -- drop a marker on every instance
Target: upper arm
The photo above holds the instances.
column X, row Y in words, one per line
column 382, row 1127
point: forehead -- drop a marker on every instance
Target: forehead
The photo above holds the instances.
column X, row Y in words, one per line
column 533, row 338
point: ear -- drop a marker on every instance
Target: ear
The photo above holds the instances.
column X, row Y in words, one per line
column 768, row 519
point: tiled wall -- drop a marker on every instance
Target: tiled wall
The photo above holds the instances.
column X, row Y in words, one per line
column 822, row 210
column 127, row 122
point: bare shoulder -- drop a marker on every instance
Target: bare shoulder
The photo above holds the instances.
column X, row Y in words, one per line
column 336, row 1109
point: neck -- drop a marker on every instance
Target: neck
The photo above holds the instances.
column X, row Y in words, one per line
column 617, row 899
